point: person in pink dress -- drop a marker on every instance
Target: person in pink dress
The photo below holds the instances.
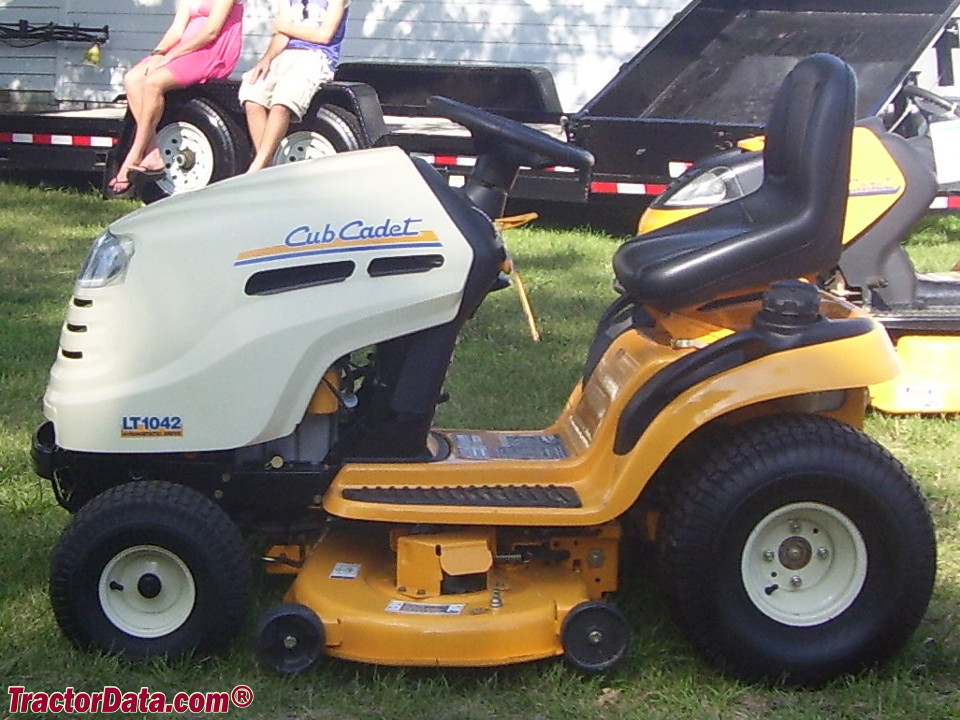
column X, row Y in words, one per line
column 203, row 43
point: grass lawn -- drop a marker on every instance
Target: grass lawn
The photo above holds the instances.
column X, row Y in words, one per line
column 500, row 379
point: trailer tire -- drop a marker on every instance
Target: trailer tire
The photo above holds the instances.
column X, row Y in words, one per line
column 150, row 569
column 798, row 551
column 199, row 145
column 330, row 130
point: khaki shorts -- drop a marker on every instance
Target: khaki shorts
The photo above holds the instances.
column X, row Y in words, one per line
column 292, row 80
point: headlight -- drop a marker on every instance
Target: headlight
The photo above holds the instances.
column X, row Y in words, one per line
column 714, row 186
column 107, row 261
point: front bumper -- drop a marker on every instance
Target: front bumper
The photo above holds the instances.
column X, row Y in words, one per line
column 43, row 451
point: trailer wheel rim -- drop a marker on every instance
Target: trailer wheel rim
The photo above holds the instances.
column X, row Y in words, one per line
column 303, row 145
column 188, row 155
column 804, row 564
column 147, row 591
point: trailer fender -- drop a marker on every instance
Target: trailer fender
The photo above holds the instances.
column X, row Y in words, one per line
column 361, row 102
column 342, row 117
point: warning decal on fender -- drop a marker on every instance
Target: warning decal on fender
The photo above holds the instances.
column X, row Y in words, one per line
column 345, row 571
column 402, row 607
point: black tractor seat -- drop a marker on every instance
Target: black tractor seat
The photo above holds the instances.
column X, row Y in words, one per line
column 790, row 227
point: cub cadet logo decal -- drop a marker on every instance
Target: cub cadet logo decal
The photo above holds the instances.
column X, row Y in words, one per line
column 354, row 236
column 886, row 186
column 140, row 426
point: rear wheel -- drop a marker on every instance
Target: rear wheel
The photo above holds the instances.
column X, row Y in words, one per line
column 198, row 146
column 150, row 569
column 797, row 551
column 329, row 131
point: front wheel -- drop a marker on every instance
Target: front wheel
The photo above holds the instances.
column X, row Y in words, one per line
column 199, row 145
column 150, row 569
column 797, row 551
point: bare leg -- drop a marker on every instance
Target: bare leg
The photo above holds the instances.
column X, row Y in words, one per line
column 133, row 82
column 152, row 102
column 256, row 122
column 278, row 120
column 145, row 99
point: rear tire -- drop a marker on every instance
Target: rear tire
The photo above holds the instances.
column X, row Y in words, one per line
column 150, row 569
column 199, row 146
column 329, row 131
column 797, row 551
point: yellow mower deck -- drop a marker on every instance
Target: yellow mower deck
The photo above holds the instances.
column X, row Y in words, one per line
column 927, row 384
column 379, row 595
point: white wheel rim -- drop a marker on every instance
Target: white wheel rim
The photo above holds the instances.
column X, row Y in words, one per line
column 303, row 145
column 188, row 155
column 804, row 564
column 147, row 591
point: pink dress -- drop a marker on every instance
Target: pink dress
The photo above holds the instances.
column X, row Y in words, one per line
column 218, row 58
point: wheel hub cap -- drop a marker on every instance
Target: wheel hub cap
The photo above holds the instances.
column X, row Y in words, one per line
column 795, row 553
column 804, row 564
column 185, row 160
column 147, row 591
column 149, row 585
column 188, row 155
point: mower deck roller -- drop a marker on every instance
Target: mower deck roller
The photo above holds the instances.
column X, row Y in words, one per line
column 446, row 598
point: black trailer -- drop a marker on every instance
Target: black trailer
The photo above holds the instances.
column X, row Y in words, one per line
column 706, row 81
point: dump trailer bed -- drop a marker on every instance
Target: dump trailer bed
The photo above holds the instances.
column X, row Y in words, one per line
column 708, row 80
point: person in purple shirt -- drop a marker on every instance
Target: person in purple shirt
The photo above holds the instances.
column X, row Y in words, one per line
column 302, row 55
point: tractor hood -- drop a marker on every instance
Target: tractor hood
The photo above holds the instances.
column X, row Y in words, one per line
column 206, row 321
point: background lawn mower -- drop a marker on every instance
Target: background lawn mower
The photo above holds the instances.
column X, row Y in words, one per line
column 895, row 173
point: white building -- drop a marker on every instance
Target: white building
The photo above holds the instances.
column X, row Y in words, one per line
column 582, row 42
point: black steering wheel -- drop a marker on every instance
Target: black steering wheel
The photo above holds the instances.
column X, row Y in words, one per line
column 542, row 149
column 930, row 103
column 503, row 146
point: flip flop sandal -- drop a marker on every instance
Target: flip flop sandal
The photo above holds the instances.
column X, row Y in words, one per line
column 138, row 176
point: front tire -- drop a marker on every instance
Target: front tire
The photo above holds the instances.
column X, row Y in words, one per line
column 199, row 145
column 797, row 551
column 149, row 569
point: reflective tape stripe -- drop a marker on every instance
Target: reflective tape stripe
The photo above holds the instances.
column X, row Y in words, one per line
column 59, row 140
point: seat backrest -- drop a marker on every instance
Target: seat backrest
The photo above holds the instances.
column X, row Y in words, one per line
column 791, row 226
column 809, row 137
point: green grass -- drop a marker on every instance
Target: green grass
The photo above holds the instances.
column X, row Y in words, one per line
column 499, row 379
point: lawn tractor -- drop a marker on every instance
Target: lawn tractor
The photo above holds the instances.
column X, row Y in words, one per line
column 895, row 169
column 261, row 361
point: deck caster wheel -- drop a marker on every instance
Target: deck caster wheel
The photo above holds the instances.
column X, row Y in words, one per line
column 290, row 638
column 594, row 636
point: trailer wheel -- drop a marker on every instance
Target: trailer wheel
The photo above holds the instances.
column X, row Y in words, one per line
column 148, row 569
column 797, row 551
column 199, row 146
column 329, row 131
